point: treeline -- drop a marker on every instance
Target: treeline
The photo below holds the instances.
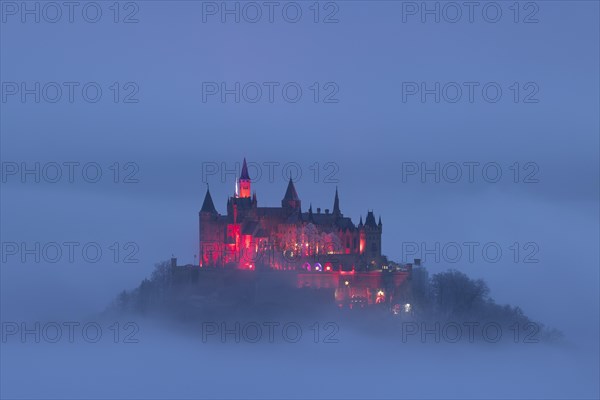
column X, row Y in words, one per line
column 151, row 295
column 445, row 297
column 182, row 294
column 452, row 296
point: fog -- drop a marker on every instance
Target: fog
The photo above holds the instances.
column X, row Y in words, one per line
column 170, row 364
column 542, row 212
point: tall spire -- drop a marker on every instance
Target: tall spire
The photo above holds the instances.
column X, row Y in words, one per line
column 208, row 206
column 336, row 203
column 244, row 174
column 244, row 190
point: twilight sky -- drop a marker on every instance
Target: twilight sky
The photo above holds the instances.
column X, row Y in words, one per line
column 369, row 128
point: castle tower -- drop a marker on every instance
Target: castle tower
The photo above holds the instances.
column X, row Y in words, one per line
column 371, row 232
column 210, row 232
column 244, row 182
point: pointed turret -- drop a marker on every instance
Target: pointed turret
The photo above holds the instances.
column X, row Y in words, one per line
column 290, row 193
column 379, row 223
column 310, row 213
column 360, row 223
column 336, row 203
column 208, row 206
column 291, row 199
column 244, row 174
column 370, row 221
column 244, row 182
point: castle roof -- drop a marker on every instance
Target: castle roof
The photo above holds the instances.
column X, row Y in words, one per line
column 294, row 218
column 290, row 193
column 244, row 174
column 269, row 211
column 345, row 223
column 370, row 221
column 208, row 206
column 328, row 219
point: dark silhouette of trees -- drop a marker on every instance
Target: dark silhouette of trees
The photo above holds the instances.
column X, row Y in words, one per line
column 449, row 296
column 455, row 295
column 421, row 290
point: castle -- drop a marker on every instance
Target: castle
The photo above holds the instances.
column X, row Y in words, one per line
column 286, row 238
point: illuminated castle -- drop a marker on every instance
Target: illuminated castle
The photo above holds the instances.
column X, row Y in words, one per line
column 285, row 238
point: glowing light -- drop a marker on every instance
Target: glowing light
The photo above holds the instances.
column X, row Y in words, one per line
column 328, row 268
column 346, row 283
column 380, row 297
column 250, row 266
column 407, row 308
column 318, row 267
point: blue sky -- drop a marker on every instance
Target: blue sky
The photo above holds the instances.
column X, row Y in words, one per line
column 366, row 58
